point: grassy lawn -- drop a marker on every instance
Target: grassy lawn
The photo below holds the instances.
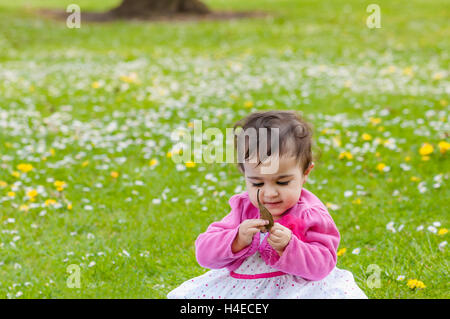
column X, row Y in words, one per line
column 87, row 118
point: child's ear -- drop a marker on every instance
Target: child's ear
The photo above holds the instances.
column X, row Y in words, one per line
column 308, row 170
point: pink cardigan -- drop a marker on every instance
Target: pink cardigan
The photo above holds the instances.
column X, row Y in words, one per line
column 310, row 254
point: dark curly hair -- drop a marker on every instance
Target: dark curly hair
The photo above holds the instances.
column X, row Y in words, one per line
column 295, row 136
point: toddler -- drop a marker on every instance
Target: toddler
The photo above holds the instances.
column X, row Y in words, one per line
column 296, row 257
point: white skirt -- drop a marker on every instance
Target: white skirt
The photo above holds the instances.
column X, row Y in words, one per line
column 254, row 279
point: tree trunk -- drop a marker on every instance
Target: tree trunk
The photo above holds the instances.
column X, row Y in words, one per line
column 145, row 8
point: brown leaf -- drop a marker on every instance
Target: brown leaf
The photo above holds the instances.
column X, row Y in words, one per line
column 265, row 214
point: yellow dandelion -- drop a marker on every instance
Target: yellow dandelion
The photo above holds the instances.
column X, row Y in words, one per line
column 341, row 252
column 114, row 174
column 346, row 155
column 443, row 102
column 381, row 166
column 442, row 231
column 375, row 120
column 60, row 185
column 443, row 146
column 85, row 163
column 379, row 140
column 190, row 124
column 190, row 164
column 170, row 154
column 11, row 194
column 415, row 179
column 357, row 201
column 425, row 158
column 24, row 208
column 248, row 104
column 426, row 149
column 15, row 174
column 332, row 206
column 3, row 184
column 407, row 158
column 438, row 76
column 414, row 283
column 52, row 152
column 95, row 85
column 32, row 194
column 337, row 141
column 366, row 137
column 131, row 78
column 25, row 168
column 49, row 202
column 420, row 285
column 408, row 71
column 153, row 162
column 69, row 206
column 125, row 78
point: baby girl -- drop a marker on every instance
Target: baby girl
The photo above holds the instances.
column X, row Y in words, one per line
column 294, row 258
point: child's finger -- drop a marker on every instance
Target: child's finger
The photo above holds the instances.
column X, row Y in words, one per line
column 274, row 239
column 274, row 228
column 278, row 232
column 272, row 242
column 264, row 222
column 255, row 230
column 275, row 234
column 251, row 223
column 257, row 222
column 262, row 229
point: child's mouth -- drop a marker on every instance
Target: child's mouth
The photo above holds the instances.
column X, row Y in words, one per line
column 273, row 204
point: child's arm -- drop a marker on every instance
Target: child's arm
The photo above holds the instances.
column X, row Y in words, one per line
column 247, row 229
column 313, row 255
column 214, row 248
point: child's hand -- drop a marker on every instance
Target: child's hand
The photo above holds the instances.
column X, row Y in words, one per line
column 247, row 230
column 279, row 237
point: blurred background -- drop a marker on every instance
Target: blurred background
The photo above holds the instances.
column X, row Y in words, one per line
column 90, row 119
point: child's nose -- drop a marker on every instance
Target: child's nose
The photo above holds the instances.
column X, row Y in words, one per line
column 269, row 192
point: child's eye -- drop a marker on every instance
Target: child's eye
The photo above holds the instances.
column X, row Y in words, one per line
column 261, row 184
column 258, row 185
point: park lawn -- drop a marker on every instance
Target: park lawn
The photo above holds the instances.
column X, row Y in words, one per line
column 90, row 119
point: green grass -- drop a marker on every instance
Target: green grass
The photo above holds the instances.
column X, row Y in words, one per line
column 66, row 109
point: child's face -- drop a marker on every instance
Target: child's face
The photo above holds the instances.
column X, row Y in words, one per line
column 278, row 191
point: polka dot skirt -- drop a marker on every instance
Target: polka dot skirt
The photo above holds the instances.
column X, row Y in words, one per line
column 219, row 284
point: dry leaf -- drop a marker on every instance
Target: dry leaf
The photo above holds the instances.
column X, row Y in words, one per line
column 265, row 214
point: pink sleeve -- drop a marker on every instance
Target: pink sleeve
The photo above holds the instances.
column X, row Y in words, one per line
column 312, row 253
column 213, row 247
